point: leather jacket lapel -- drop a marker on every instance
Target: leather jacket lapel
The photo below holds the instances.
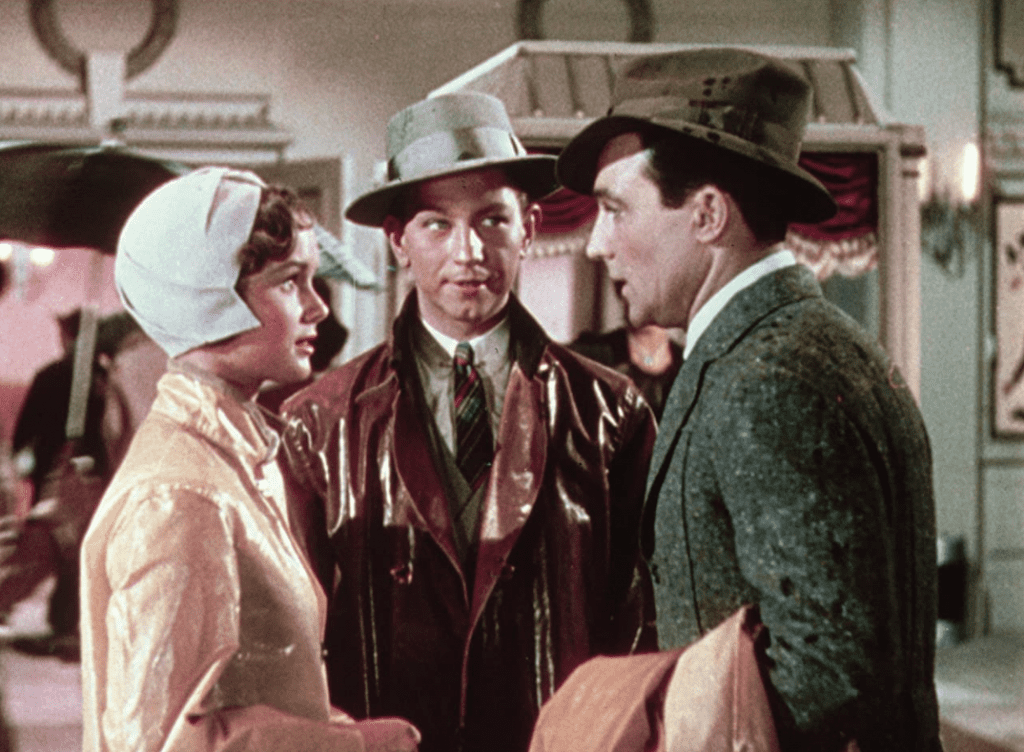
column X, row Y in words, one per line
column 421, row 484
column 419, row 488
column 514, row 483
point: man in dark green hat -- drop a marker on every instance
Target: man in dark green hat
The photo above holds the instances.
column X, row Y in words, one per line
column 482, row 485
column 792, row 469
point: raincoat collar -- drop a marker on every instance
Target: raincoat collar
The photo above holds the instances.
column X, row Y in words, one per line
column 527, row 340
column 209, row 406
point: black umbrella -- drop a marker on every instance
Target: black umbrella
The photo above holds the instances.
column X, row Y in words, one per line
column 65, row 196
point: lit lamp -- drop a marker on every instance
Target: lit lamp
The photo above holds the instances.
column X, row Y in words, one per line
column 22, row 258
column 948, row 223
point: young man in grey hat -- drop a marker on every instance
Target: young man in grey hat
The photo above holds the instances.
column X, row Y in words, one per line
column 482, row 485
column 792, row 469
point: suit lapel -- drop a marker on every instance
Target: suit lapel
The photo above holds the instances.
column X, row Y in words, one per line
column 677, row 408
column 520, row 457
column 734, row 322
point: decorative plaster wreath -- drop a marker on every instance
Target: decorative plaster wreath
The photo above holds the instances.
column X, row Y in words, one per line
column 48, row 31
column 641, row 20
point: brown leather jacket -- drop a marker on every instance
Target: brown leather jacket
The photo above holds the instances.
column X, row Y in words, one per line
column 557, row 577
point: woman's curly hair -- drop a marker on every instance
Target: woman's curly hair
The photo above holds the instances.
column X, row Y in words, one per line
column 280, row 217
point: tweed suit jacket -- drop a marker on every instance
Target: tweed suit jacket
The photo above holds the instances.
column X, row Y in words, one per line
column 792, row 471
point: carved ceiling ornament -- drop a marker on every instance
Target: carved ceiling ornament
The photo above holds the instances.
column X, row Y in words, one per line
column 641, row 20
column 142, row 56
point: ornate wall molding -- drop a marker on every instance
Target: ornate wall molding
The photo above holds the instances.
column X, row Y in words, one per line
column 188, row 121
column 48, row 31
column 219, row 126
column 641, row 20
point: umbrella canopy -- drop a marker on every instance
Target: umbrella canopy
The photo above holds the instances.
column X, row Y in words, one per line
column 65, row 196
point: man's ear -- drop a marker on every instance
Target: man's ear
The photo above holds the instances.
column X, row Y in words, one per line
column 394, row 229
column 531, row 221
column 711, row 213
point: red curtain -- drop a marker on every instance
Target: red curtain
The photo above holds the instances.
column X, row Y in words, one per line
column 852, row 179
column 565, row 210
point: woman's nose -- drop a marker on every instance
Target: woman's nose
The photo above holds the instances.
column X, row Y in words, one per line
column 316, row 308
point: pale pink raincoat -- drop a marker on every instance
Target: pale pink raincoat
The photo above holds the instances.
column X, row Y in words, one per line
column 201, row 621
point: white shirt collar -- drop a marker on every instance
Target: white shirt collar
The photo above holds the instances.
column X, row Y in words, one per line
column 779, row 259
column 491, row 347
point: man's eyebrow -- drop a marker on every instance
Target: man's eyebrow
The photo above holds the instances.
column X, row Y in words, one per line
column 494, row 207
column 605, row 194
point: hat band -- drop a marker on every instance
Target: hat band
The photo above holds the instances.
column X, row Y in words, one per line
column 443, row 150
column 726, row 117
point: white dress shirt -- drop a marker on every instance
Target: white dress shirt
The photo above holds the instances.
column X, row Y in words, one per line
column 437, row 374
column 779, row 259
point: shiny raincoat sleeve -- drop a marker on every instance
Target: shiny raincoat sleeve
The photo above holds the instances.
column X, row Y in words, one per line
column 172, row 624
column 633, row 618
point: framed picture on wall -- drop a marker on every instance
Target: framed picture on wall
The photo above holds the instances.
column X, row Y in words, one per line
column 1008, row 384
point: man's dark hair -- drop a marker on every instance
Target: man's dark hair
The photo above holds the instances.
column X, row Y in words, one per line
column 280, row 217
column 679, row 168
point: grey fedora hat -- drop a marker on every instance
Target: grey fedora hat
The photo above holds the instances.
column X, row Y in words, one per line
column 734, row 100
column 449, row 134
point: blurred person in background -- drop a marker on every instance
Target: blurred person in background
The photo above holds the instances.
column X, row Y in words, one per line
column 39, row 433
column 69, row 476
column 7, row 481
column 647, row 354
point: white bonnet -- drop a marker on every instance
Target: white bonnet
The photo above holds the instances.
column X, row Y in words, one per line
column 177, row 258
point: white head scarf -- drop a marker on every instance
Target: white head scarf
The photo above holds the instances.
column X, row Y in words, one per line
column 177, row 258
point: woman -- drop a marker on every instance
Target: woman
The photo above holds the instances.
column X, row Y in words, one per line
column 201, row 620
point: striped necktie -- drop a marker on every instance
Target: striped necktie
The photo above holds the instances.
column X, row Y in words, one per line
column 474, row 447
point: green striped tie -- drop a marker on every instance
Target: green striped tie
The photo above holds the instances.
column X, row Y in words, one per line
column 474, row 447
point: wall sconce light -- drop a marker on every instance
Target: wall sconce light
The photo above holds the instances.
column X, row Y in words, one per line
column 949, row 220
column 22, row 259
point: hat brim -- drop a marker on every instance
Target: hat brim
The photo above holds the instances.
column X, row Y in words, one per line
column 534, row 174
column 804, row 198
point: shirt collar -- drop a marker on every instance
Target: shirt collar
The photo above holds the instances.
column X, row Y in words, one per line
column 489, row 348
column 779, row 259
